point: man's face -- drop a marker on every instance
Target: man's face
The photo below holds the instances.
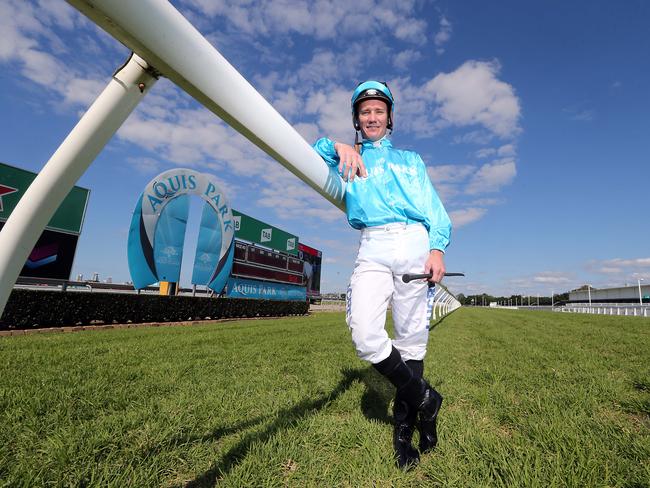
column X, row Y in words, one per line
column 373, row 118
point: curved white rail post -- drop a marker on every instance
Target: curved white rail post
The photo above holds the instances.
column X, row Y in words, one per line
column 436, row 296
column 43, row 197
column 443, row 302
column 160, row 34
column 448, row 304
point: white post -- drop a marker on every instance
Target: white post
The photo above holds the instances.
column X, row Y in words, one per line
column 640, row 296
column 65, row 167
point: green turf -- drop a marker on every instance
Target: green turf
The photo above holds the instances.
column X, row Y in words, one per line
column 532, row 399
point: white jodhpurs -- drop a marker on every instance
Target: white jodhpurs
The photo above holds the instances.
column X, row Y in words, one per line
column 386, row 253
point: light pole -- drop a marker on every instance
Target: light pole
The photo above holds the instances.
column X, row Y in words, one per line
column 552, row 296
column 589, row 292
column 640, row 296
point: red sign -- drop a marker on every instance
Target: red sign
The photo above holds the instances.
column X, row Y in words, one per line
column 6, row 190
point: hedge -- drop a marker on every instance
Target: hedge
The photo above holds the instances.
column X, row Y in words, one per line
column 39, row 308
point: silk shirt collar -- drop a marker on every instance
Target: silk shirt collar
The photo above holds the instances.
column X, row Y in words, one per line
column 383, row 142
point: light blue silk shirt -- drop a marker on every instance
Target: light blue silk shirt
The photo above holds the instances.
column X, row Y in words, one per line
column 397, row 189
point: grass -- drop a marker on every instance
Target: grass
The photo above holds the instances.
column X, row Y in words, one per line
column 534, row 399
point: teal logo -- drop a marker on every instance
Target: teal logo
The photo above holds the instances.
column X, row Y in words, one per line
column 157, row 232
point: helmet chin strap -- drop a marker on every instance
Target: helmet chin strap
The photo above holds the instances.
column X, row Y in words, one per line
column 357, row 143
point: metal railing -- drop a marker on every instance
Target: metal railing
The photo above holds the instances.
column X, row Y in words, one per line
column 441, row 302
column 621, row 309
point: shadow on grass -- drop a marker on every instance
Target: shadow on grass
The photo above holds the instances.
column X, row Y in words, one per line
column 438, row 322
column 374, row 405
column 376, row 399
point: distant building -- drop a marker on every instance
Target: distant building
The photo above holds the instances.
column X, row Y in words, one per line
column 622, row 294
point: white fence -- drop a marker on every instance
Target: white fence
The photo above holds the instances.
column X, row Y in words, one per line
column 623, row 309
column 441, row 302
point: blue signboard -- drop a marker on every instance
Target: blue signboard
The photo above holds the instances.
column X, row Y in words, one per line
column 264, row 290
column 157, row 232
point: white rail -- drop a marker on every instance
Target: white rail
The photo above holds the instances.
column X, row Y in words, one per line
column 607, row 309
column 159, row 33
column 442, row 302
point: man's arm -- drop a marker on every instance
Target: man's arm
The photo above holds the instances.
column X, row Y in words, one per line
column 349, row 161
column 438, row 223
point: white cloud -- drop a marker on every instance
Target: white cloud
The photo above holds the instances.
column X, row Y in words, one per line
column 485, row 152
column 82, row 92
column 321, row 19
column 491, row 177
column 472, row 95
column 331, row 108
column 405, row 58
column 292, row 199
column 31, row 45
column 465, row 216
column 450, row 173
column 57, row 13
column 288, row 103
column 625, row 263
column 309, row 132
column 145, row 165
column 469, row 96
column 448, row 178
column 487, row 202
column 474, row 137
column 609, row 270
column 507, row 150
column 443, row 35
column 553, row 278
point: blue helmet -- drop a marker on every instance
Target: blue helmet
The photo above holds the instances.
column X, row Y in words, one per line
column 377, row 90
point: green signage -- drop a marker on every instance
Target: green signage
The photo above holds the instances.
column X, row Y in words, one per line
column 253, row 230
column 69, row 216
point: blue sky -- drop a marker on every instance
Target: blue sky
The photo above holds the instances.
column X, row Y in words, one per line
column 531, row 116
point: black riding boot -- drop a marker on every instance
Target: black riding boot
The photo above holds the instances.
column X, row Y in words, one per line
column 414, row 393
column 427, row 424
column 404, row 417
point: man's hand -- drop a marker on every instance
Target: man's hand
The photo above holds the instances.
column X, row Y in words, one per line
column 351, row 164
column 435, row 265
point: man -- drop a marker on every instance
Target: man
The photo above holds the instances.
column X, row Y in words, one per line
column 404, row 229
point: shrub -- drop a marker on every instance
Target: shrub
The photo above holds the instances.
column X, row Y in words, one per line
column 39, row 308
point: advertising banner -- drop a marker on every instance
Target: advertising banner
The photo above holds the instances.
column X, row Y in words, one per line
column 54, row 252
column 51, row 257
column 157, row 231
column 253, row 230
column 169, row 238
column 243, row 288
column 68, row 218
column 312, row 267
column 206, row 258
